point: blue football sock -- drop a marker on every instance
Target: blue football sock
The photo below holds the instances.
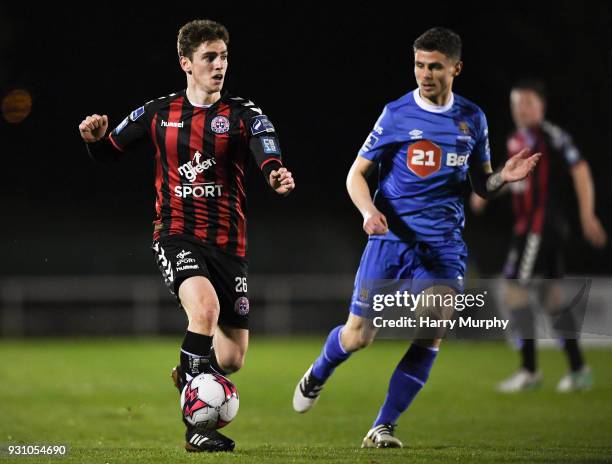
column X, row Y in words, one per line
column 407, row 380
column 331, row 356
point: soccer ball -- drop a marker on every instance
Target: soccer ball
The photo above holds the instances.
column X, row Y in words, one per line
column 209, row 401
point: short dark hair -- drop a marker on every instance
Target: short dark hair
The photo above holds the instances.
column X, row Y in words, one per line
column 440, row 39
column 534, row 85
column 198, row 31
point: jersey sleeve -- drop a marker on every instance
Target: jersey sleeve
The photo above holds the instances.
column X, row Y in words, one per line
column 127, row 135
column 132, row 131
column 380, row 138
column 263, row 141
column 564, row 143
column 482, row 150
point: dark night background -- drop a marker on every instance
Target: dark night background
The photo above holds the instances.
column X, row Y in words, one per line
column 321, row 77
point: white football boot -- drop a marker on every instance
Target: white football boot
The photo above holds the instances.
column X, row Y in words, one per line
column 381, row 436
column 307, row 392
column 519, row 381
column 576, row 381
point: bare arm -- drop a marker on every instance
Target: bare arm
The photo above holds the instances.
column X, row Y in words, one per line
column 374, row 222
column 585, row 192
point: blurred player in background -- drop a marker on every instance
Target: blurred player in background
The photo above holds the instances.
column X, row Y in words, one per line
column 424, row 145
column 541, row 231
column 203, row 140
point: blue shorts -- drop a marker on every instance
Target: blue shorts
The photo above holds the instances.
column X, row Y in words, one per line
column 414, row 265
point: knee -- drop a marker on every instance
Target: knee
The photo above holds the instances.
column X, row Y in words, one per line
column 356, row 339
column 203, row 312
column 232, row 362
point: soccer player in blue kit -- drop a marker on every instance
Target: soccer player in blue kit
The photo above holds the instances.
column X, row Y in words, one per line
column 424, row 144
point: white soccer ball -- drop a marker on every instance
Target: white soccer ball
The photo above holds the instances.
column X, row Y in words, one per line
column 209, row 401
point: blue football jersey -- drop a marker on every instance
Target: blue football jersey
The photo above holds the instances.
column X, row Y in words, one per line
column 423, row 153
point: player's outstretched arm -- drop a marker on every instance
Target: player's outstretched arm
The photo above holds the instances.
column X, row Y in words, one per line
column 592, row 229
column 93, row 128
column 485, row 182
column 281, row 181
column 374, row 222
column 516, row 168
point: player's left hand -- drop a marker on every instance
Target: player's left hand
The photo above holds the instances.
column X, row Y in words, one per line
column 593, row 231
column 282, row 181
column 519, row 166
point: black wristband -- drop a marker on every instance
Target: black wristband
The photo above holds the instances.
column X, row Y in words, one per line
column 102, row 151
column 270, row 166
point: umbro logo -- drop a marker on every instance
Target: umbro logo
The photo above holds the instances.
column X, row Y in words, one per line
column 416, row 134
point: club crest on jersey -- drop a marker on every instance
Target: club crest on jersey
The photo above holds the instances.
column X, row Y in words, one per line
column 424, row 158
column 465, row 129
column 134, row 115
column 220, row 125
column 261, row 124
column 241, row 306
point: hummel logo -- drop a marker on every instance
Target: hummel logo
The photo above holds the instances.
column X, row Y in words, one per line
column 415, row 134
column 252, row 106
column 247, row 103
column 172, row 124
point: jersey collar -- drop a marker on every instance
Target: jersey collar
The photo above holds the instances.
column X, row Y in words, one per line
column 425, row 105
column 224, row 96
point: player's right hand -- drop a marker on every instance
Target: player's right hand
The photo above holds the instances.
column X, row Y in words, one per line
column 594, row 232
column 93, row 127
column 375, row 223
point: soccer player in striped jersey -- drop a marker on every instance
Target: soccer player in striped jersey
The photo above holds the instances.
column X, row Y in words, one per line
column 425, row 144
column 203, row 140
column 541, row 229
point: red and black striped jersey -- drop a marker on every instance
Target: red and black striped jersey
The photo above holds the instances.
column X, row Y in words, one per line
column 201, row 154
column 537, row 200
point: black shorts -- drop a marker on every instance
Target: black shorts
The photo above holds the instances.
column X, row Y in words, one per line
column 180, row 257
column 534, row 255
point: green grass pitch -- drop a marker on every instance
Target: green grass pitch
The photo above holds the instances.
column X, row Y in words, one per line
column 111, row 401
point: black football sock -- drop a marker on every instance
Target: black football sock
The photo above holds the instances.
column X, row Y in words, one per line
column 195, row 353
column 523, row 327
column 528, row 354
column 574, row 356
column 564, row 324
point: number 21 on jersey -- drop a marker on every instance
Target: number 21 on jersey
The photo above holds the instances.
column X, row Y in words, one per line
column 424, row 158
